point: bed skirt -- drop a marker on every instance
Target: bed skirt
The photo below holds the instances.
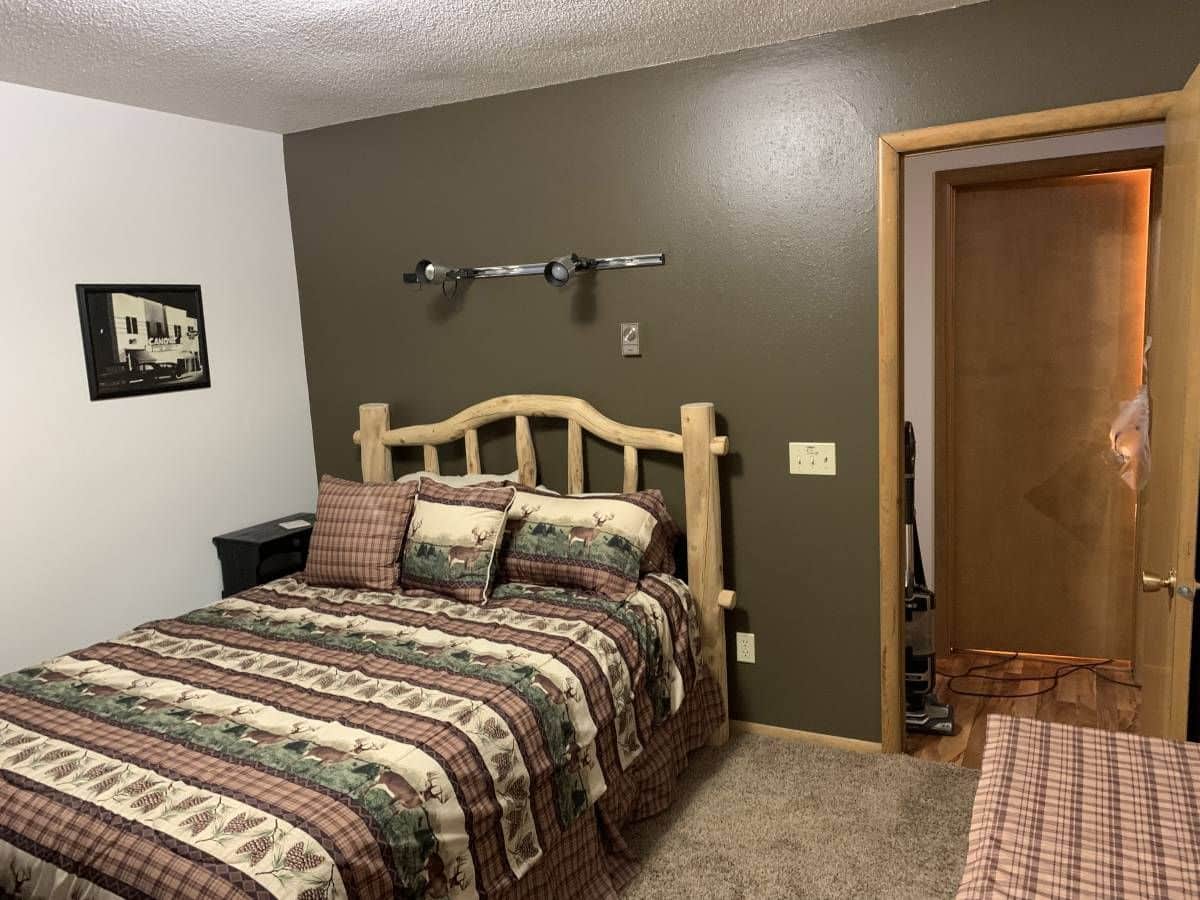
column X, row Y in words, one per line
column 593, row 861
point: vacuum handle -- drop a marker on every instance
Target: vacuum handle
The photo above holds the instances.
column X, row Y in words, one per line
column 914, row 565
column 910, row 465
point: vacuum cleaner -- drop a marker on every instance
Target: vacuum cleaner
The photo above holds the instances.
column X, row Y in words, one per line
column 922, row 714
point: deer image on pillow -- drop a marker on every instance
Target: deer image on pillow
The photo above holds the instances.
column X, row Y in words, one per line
column 591, row 543
column 450, row 550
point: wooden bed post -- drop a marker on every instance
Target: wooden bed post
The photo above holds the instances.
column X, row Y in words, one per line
column 706, row 568
column 373, row 420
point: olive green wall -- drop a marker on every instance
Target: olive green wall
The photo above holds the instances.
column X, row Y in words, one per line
column 755, row 172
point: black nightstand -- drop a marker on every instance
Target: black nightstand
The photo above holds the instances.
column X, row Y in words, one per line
column 259, row 553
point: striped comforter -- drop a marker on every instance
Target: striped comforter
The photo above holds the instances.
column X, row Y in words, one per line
column 309, row 742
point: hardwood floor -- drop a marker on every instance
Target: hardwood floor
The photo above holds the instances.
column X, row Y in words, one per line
column 1081, row 698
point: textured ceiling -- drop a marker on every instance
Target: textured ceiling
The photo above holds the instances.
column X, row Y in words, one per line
column 288, row 65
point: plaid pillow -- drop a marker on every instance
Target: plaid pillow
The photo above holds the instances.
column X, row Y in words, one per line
column 591, row 542
column 452, row 541
column 358, row 533
column 660, row 554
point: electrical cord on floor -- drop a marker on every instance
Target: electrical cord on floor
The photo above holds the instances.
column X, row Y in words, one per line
column 1060, row 673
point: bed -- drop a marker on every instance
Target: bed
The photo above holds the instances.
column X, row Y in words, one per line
column 305, row 741
column 1065, row 812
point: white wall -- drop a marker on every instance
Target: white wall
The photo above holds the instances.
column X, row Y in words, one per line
column 107, row 509
column 920, row 171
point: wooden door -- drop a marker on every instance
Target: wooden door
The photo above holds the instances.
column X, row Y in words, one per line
column 1168, row 524
column 1041, row 303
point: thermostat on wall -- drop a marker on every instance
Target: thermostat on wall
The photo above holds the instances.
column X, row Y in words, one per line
column 631, row 338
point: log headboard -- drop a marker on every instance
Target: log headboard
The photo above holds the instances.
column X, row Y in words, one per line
column 697, row 442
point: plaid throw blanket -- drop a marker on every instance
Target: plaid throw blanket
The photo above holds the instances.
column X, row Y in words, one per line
column 1066, row 812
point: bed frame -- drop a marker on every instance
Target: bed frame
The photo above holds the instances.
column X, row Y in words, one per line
column 697, row 442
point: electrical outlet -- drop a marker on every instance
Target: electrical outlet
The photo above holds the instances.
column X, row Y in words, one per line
column 807, row 458
column 745, row 647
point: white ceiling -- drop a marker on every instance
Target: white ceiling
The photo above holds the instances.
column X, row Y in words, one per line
column 288, row 65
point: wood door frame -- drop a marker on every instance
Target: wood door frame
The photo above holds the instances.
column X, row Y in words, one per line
column 946, row 184
column 891, row 150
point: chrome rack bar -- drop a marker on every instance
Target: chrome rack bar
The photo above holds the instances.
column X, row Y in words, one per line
column 427, row 272
column 502, row 271
column 635, row 261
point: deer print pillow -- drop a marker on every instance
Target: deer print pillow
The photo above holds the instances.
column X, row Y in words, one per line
column 452, row 539
column 591, row 543
column 660, row 554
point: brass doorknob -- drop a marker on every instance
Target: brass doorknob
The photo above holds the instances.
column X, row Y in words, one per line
column 1152, row 582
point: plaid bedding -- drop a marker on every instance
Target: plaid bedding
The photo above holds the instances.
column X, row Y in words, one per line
column 1067, row 812
column 312, row 742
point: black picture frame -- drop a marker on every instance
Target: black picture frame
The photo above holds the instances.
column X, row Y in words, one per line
column 143, row 339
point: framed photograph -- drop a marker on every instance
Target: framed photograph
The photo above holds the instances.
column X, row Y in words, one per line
column 142, row 338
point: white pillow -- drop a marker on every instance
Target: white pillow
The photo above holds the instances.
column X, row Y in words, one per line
column 460, row 480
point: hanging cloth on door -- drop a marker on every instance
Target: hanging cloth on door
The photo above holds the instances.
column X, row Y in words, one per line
column 1130, row 432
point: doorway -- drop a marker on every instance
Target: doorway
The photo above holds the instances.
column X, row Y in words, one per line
column 1041, row 287
column 1161, row 635
column 1040, row 291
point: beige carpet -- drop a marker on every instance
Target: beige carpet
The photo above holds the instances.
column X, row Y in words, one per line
column 768, row 818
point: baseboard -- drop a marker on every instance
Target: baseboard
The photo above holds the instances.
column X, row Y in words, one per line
column 1102, row 662
column 811, row 737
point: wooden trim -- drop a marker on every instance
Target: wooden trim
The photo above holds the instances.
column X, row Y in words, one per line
column 947, row 183
column 1085, row 117
column 890, row 245
column 1101, row 662
column 891, row 495
column 1179, row 279
column 1033, row 170
column 1181, row 654
column 698, row 443
column 943, row 412
column 808, row 737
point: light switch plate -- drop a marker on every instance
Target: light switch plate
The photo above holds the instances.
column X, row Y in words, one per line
column 745, row 647
column 808, row 458
column 630, row 335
